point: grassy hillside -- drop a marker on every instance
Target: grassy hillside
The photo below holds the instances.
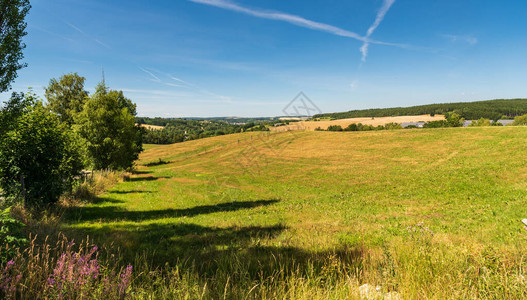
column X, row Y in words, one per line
column 423, row 213
column 491, row 109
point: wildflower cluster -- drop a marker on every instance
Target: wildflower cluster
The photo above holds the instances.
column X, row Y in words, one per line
column 9, row 280
column 79, row 276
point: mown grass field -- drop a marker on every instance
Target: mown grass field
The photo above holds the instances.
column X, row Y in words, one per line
column 424, row 213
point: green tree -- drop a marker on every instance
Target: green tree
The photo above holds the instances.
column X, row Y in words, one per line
column 36, row 150
column 66, row 96
column 520, row 121
column 480, row 122
column 12, row 30
column 107, row 124
column 454, row 119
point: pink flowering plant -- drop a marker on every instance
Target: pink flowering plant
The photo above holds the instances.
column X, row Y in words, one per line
column 79, row 276
column 62, row 273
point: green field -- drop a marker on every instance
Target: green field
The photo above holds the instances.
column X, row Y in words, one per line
column 423, row 213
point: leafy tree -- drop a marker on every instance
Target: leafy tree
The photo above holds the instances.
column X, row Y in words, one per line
column 12, row 30
column 107, row 123
column 454, row 119
column 37, row 147
column 393, row 125
column 335, row 128
column 520, row 121
column 66, row 96
column 480, row 122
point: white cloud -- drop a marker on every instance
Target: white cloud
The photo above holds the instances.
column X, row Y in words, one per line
column 354, row 85
column 296, row 20
column 380, row 16
column 469, row 39
column 87, row 35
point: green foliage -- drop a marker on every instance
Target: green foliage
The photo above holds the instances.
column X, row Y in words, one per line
column 66, row 96
column 393, row 125
column 436, row 124
column 492, row 109
column 454, row 119
column 480, row 122
column 107, row 124
column 36, row 149
column 10, row 235
column 180, row 130
column 520, row 120
column 12, row 30
column 335, row 128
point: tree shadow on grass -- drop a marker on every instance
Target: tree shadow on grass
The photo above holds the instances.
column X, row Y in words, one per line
column 129, row 192
column 240, row 254
column 231, row 251
column 146, row 178
column 116, row 213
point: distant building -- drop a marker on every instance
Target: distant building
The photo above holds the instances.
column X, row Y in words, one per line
column 502, row 122
column 416, row 124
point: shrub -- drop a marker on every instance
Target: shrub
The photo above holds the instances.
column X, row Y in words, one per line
column 392, row 125
column 335, row 128
column 352, row 127
column 39, row 155
column 520, row 121
column 10, row 235
column 481, row 122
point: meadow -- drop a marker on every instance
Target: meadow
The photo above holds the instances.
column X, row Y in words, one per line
column 419, row 213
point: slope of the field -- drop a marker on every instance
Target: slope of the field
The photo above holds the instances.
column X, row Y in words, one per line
column 312, row 125
column 426, row 213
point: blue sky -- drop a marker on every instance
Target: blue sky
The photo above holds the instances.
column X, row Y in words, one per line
column 250, row 58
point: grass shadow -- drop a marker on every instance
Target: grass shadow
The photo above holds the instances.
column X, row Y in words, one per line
column 129, row 192
column 146, row 178
column 115, row 213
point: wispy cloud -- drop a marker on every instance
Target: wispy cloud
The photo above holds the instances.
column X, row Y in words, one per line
column 180, row 83
column 152, row 76
column 387, row 4
column 87, row 35
column 279, row 16
column 461, row 38
column 303, row 22
column 51, row 33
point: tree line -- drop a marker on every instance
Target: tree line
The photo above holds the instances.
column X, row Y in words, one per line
column 491, row 109
column 180, row 130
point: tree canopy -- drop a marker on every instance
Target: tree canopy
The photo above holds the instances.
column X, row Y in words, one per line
column 36, row 150
column 66, row 96
column 107, row 123
column 12, row 30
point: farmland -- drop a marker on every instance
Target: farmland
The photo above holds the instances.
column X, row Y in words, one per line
column 324, row 124
column 420, row 213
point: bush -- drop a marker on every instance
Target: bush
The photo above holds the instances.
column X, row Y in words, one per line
column 335, row 128
column 39, row 155
column 480, row 122
column 520, row 121
column 10, row 235
column 391, row 126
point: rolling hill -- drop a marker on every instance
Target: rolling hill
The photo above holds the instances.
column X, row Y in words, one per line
column 491, row 109
column 421, row 213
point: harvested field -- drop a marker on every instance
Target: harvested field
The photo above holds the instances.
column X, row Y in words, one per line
column 312, row 125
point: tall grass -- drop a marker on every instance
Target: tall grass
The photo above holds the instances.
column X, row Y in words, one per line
column 422, row 268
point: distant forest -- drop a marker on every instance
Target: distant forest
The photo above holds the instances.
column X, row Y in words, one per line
column 491, row 109
column 180, row 130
